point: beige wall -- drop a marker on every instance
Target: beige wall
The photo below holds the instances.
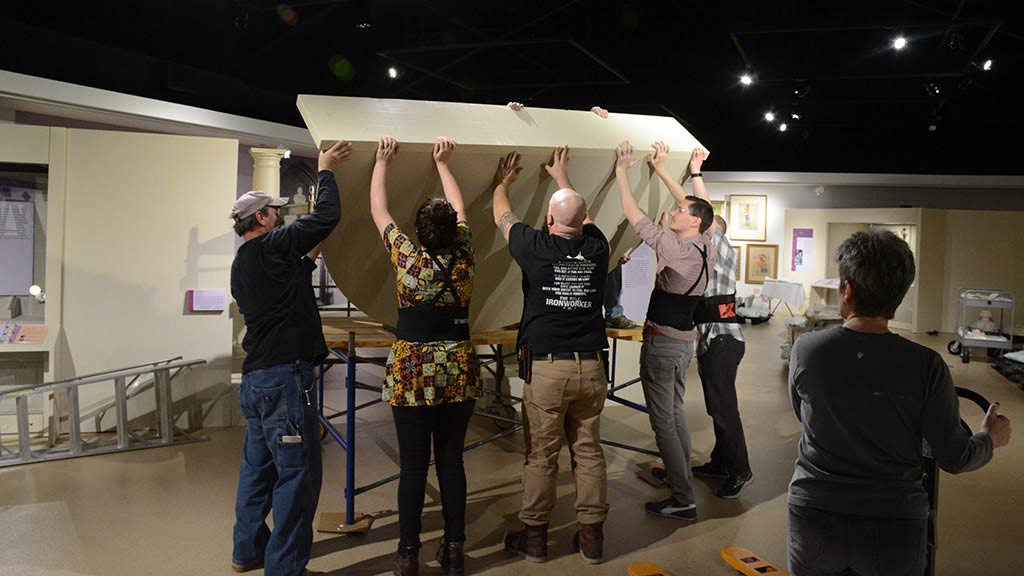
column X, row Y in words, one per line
column 983, row 249
column 146, row 220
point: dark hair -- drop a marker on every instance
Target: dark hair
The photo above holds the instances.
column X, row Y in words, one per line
column 880, row 267
column 701, row 208
column 249, row 222
column 436, row 224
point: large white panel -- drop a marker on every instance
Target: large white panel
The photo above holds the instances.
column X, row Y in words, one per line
column 355, row 254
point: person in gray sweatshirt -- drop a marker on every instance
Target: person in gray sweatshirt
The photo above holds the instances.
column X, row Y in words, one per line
column 866, row 399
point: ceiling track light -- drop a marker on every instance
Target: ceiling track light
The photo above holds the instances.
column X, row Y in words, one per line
column 987, row 65
column 746, row 79
column 769, row 116
column 783, row 127
column 899, row 43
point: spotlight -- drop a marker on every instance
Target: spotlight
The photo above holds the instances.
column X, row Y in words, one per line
column 794, row 116
column 899, row 43
column 802, row 91
column 37, row 293
column 932, row 88
column 363, row 25
column 746, row 80
column 987, row 65
column 392, row 72
column 769, row 116
column 932, row 127
column 783, row 127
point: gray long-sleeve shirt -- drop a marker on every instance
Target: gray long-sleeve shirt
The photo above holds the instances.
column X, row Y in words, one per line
column 866, row 401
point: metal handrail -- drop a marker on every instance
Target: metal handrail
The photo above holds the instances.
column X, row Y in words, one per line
column 92, row 379
column 14, row 391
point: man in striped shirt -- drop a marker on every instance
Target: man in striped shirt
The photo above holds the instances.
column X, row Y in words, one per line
column 720, row 346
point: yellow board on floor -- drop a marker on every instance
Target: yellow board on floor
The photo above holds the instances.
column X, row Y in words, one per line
column 646, row 569
column 334, row 522
column 746, row 562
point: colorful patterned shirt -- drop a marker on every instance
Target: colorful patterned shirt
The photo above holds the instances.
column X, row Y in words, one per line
column 430, row 373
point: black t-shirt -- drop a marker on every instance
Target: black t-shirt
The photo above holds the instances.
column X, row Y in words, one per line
column 271, row 279
column 563, row 289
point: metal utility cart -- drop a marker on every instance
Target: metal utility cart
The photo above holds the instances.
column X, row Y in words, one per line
column 1000, row 339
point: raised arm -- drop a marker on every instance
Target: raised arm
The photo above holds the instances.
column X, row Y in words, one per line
column 697, row 158
column 508, row 171
column 443, row 149
column 657, row 162
column 387, row 148
column 623, row 162
column 559, row 167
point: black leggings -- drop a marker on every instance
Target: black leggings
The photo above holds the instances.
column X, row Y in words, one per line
column 416, row 425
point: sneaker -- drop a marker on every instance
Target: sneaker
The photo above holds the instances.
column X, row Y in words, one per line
column 733, row 485
column 660, row 474
column 710, row 470
column 670, row 508
column 621, row 323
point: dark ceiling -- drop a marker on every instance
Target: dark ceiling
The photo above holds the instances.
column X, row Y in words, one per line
column 862, row 106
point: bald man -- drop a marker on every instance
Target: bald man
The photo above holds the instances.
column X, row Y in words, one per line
column 561, row 350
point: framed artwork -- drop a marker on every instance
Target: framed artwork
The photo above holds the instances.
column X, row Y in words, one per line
column 762, row 262
column 748, row 217
column 721, row 208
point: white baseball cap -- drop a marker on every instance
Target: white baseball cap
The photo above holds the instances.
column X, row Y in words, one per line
column 254, row 201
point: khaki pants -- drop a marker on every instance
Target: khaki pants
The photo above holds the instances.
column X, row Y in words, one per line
column 564, row 399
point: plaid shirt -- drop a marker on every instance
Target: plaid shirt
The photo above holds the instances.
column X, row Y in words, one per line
column 723, row 281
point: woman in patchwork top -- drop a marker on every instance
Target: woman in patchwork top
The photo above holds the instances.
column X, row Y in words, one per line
column 432, row 377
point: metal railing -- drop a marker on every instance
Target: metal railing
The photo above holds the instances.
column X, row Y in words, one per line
column 164, row 373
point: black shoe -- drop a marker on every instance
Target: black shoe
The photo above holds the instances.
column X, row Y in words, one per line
column 243, row 567
column 660, row 474
column 710, row 470
column 670, row 508
column 452, row 558
column 733, row 485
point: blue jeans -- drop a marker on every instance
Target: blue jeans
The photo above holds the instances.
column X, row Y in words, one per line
column 281, row 469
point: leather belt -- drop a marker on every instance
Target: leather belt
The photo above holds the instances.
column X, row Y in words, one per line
column 552, row 356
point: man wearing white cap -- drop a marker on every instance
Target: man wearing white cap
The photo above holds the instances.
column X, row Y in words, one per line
column 281, row 463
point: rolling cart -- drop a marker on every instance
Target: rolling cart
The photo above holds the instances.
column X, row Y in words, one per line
column 1001, row 339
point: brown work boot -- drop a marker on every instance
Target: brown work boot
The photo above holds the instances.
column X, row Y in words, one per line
column 589, row 540
column 452, row 558
column 405, row 565
column 529, row 541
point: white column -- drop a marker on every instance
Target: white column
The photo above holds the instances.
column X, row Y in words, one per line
column 266, row 172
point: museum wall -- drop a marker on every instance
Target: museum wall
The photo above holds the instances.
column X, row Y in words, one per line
column 147, row 220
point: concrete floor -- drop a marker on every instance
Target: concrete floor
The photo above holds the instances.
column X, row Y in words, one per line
column 170, row 511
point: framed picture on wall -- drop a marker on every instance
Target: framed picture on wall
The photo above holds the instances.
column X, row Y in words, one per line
column 762, row 262
column 721, row 208
column 748, row 217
